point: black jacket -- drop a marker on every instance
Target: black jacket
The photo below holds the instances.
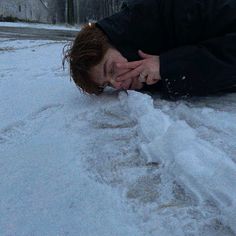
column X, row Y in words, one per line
column 195, row 39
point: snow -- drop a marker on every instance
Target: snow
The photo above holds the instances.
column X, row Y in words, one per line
column 118, row 164
column 192, row 160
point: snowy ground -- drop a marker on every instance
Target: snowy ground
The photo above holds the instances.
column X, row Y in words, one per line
column 118, row 165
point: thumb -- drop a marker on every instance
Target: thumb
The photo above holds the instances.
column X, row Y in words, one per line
column 144, row 55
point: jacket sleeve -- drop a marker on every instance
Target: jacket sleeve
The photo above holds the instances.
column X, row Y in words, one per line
column 207, row 67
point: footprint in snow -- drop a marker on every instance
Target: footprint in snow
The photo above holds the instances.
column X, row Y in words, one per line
column 20, row 131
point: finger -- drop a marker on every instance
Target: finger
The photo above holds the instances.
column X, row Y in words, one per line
column 144, row 55
column 130, row 74
column 128, row 65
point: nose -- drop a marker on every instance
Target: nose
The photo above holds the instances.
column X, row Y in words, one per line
column 119, row 71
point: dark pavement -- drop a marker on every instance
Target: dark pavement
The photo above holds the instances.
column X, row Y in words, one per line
column 36, row 33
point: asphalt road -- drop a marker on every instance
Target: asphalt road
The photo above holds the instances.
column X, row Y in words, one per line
column 35, row 33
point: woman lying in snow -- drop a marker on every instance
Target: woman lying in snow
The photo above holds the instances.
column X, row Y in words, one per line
column 177, row 47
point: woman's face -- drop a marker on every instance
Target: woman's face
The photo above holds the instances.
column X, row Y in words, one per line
column 106, row 72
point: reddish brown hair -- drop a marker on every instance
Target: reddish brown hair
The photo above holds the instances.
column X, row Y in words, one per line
column 87, row 50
